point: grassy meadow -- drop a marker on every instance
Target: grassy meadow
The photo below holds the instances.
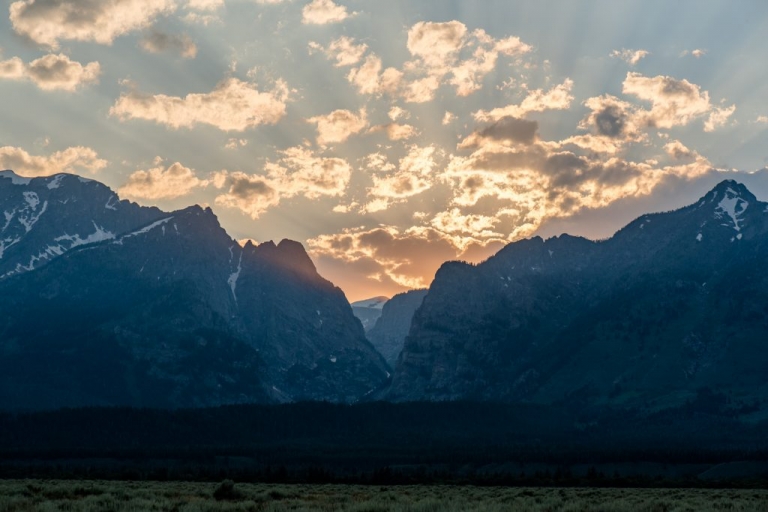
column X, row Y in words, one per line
column 92, row 496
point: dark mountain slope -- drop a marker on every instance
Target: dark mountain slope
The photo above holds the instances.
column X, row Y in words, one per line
column 673, row 303
column 390, row 330
column 176, row 313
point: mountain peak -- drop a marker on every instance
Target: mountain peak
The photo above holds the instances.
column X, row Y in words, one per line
column 731, row 189
column 15, row 178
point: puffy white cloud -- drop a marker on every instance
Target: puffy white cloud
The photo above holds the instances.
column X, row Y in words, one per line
column 718, row 117
column 396, row 113
column 322, row 12
column 75, row 160
column 253, row 195
column 233, row 105
column 343, row 50
column 631, row 57
column 298, row 172
column 411, row 177
column 698, row 53
column 370, row 79
column 396, row 131
column 557, row 98
column 165, row 183
column 338, row 126
column 157, row 42
column 673, row 102
column 444, row 52
column 679, row 151
column 205, row 5
column 235, row 143
column 47, row 22
column 51, row 72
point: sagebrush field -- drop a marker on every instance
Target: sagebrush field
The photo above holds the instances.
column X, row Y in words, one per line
column 50, row 496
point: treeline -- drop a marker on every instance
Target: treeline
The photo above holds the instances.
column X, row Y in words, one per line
column 374, row 443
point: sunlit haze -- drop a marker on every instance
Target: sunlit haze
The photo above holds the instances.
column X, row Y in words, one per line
column 391, row 136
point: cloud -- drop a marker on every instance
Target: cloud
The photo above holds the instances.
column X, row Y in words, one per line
column 51, row 72
column 698, row 53
column 396, row 113
column 673, row 102
column 322, row 12
column 445, row 52
column 205, row 5
column 370, row 79
column 437, row 50
column 235, row 143
column 396, row 131
column 762, row 119
column 165, row 183
column 411, row 177
column 47, row 22
column 408, row 257
column 507, row 130
column 298, row 172
column 678, row 151
column 157, row 42
column 338, row 126
column 718, row 117
column 631, row 57
column 343, row 50
column 557, row 98
column 611, row 123
column 74, row 160
column 449, row 118
column 233, row 105
column 253, row 195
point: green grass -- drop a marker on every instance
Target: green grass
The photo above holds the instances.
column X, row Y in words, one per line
column 71, row 496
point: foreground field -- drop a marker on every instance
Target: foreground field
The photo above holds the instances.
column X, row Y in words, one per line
column 50, row 496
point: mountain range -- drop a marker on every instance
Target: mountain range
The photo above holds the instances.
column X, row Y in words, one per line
column 673, row 304
column 109, row 303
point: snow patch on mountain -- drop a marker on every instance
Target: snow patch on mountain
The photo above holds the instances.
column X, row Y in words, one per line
column 234, row 276
column 56, row 181
column 15, row 178
column 143, row 230
column 733, row 206
column 100, row 235
column 373, row 303
column 28, row 221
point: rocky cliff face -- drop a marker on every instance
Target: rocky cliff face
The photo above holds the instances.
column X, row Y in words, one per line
column 673, row 303
column 389, row 332
column 166, row 310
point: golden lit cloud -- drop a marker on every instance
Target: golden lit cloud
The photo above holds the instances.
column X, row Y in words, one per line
column 72, row 160
column 631, row 57
column 538, row 100
column 322, row 12
column 298, row 172
column 47, row 22
column 673, row 102
column 408, row 257
column 233, row 105
column 344, row 51
column 338, row 126
column 51, row 72
column 412, row 176
column 158, row 42
column 165, row 183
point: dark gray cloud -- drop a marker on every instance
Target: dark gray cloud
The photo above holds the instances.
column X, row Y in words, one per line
column 157, row 42
column 512, row 129
column 611, row 121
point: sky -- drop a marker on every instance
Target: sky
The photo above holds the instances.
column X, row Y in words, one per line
column 391, row 136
